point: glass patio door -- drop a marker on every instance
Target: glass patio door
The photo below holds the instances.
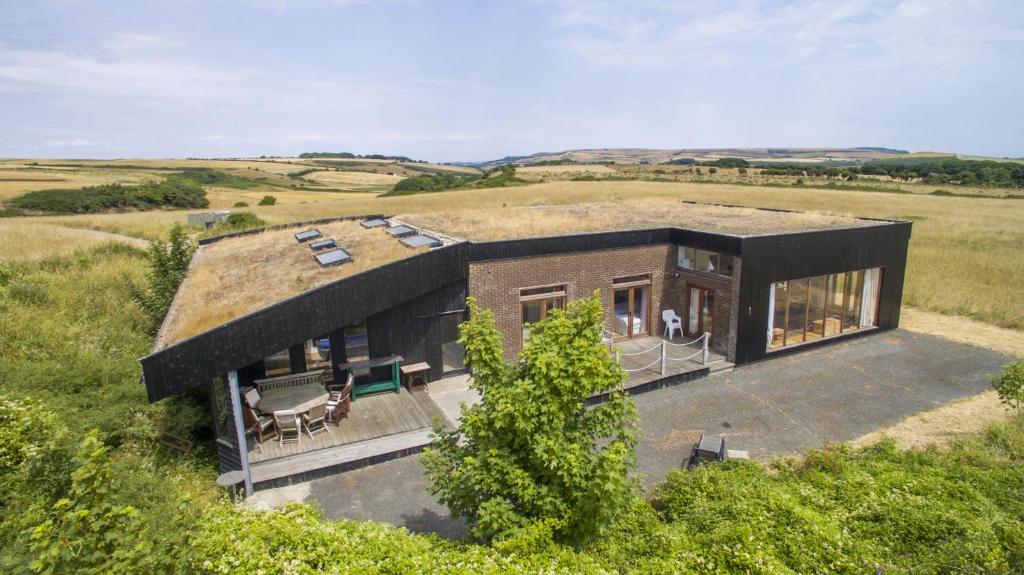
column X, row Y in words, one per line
column 631, row 311
column 699, row 311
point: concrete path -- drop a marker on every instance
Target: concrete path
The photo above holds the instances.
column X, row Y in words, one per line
column 786, row 404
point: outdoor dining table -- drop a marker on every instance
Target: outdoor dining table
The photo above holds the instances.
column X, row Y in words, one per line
column 299, row 399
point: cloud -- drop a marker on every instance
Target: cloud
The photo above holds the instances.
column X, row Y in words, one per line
column 942, row 35
column 76, row 143
column 157, row 79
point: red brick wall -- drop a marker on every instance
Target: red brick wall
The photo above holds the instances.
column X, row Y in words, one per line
column 726, row 293
column 496, row 284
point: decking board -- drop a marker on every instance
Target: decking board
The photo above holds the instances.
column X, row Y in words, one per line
column 371, row 417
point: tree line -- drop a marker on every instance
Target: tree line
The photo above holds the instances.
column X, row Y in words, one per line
column 350, row 155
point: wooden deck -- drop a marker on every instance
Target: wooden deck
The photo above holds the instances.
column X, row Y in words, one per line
column 389, row 425
column 372, row 417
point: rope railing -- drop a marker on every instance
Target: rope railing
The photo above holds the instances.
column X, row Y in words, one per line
column 664, row 357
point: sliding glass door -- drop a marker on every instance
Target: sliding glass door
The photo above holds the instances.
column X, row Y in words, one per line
column 809, row 309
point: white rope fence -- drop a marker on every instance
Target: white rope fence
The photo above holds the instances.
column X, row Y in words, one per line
column 664, row 357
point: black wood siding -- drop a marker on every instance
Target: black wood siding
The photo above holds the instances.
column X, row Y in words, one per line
column 249, row 339
column 413, row 329
column 768, row 259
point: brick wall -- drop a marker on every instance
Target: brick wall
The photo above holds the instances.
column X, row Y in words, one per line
column 496, row 284
column 724, row 310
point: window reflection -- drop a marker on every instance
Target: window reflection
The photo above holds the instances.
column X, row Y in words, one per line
column 807, row 309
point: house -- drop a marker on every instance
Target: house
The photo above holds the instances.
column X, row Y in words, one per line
column 746, row 284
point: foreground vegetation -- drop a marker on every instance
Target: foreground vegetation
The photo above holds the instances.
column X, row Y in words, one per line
column 77, row 501
column 530, row 451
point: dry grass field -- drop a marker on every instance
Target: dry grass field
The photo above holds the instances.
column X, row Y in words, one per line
column 17, row 181
column 27, row 242
column 964, row 257
column 353, row 181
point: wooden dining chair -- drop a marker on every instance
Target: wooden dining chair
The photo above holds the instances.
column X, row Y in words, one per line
column 261, row 426
column 340, row 402
column 288, row 423
column 316, row 420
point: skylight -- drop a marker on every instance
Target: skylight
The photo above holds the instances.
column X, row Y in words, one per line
column 322, row 244
column 307, row 235
column 333, row 257
column 401, row 231
column 420, row 241
column 373, row 223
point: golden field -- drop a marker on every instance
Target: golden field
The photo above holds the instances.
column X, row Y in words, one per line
column 964, row 255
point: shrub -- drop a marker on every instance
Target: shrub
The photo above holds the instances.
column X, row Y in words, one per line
column 168, row 263
column 243, row 220
column 175, row 191
column 241, row 205
column 531, row 452
column 1010, row 384
column 268, row 201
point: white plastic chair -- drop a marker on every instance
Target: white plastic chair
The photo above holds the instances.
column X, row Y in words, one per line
column 672, row 323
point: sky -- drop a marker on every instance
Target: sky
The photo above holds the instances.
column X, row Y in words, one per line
column 477, row 80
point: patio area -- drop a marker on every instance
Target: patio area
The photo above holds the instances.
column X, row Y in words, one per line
column 377, row 426
column 642, row 358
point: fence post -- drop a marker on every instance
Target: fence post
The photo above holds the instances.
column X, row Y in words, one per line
column 663, row 357
column 707, row 336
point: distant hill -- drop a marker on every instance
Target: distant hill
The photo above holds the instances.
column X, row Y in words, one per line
column 659, row 156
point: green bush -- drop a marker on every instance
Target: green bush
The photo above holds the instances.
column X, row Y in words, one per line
column 1010, row 384
column 243, row 220
column 498, row 178
column 241, row 205
column 175, row 191
column 168, row 263
column 531, row 451
column 268, row 201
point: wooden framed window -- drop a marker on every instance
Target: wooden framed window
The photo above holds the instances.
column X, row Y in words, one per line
column 688, row 258
column 535, row 303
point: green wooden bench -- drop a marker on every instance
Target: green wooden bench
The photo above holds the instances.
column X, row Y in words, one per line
column 393, row 383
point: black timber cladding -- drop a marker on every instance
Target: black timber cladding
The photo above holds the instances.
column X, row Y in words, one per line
column 249, row 339
column 768, row 259
column 327, row 309
column 421, row 335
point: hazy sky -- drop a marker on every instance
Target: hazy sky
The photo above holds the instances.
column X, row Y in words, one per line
column 474, row 80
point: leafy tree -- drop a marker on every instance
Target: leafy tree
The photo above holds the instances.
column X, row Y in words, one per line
column 87, row 531
column 268, row 201
column 531, row 452
column 168, row 262
column 1010, row 384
